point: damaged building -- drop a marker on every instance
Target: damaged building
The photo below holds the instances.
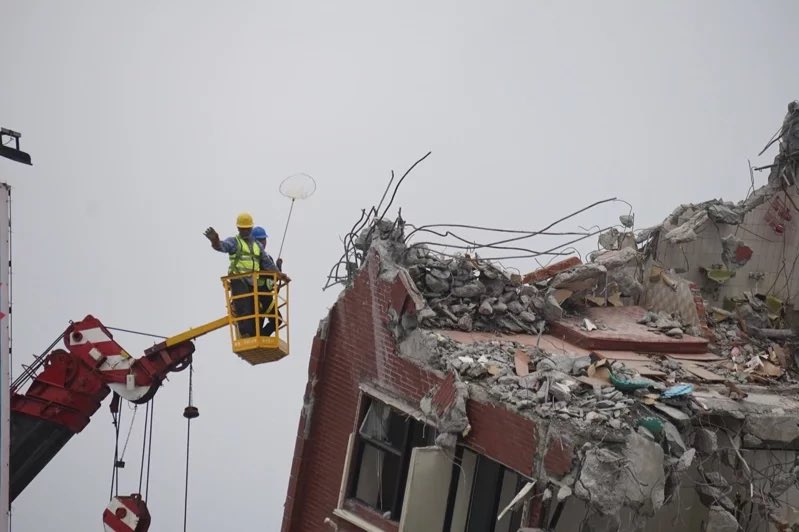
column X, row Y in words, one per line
column 651, row 385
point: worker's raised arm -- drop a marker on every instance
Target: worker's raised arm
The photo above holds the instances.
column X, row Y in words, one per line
column 227, row 245
column 213, row 236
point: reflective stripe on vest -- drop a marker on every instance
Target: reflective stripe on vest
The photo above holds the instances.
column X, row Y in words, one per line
column 246, row 259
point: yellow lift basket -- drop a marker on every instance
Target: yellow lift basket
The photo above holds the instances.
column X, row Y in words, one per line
column 257, row 302
column 257, row 316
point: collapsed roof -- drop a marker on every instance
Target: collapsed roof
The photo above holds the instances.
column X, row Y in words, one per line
column 666, row 350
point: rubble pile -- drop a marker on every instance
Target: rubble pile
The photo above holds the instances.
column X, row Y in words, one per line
column 556, row 386
column 472, row 295
column 685, row 222
column 665, row 323
column 751, row 340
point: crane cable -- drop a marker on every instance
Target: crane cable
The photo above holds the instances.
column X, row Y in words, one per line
column 149, row 449
column 146, row 449
column 188, row 446
column 119, row 458
column 140, row 333
column 116, row 421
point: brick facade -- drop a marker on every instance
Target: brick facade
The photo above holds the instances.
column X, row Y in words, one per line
column 357, row 346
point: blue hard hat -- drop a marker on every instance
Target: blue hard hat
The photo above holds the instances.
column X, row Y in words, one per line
column 259, row 232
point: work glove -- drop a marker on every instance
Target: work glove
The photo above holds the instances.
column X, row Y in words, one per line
column 279, row 264
column 211, row 235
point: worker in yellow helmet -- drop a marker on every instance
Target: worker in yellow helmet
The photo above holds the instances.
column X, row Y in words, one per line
column 246, row 256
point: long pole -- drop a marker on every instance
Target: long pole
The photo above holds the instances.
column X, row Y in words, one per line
column 291, row 209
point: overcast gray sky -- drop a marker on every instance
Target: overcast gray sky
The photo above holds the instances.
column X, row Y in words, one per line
column 149, row 121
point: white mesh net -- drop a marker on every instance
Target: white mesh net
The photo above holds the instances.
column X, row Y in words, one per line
column 298, row 186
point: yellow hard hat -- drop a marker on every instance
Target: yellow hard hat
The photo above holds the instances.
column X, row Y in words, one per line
column 244, row 220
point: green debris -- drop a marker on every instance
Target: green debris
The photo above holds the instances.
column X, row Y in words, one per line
column 719, row 274
column 628, row 385
column 774, row 305
column 652, row 424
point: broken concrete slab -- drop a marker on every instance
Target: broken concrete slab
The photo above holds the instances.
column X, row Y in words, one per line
column 675, row 442
column 617, row 258
column 643, row 480
column 711, row 496
column 771, row 431
column 720, row 520
column 725, row 213
column 636, row 473
column 580, row 278
column 601, row 468
column 686, row 232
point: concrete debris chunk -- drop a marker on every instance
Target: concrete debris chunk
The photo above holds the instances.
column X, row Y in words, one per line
column 675, row 442
column 473, row 289
column 783, row 481
column 779, row 430
column 720, row 520
column 601, row 468
column 685, row 460
column 627, row 220
column 706, row 441
column 579, row 278
column 711, row 495
column 453, row 420
column 724, row 213
column 675, row 332
column 617, row 259
column 610, row 239
column 637, row 477
column 686, row 232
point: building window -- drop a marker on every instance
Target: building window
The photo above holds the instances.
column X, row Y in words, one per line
column 383, row 446
column 480, row 489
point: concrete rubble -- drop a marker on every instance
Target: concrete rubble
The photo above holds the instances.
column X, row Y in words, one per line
column 632, row 437
column 643, row 421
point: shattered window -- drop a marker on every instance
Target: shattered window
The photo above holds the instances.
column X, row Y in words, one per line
column 385, row 440
column 480, row 489
column 383, row 424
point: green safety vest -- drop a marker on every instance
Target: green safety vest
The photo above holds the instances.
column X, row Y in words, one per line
column 246, row 259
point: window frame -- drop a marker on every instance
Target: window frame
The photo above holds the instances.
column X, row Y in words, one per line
column 521, row 481
column 360, row 443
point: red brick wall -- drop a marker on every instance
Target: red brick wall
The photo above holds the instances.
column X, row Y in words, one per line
column 359, row 347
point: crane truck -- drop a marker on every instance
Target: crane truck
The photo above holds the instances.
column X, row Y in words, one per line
column 67, row 386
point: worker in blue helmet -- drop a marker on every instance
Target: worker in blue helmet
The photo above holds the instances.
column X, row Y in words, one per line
column 267, row 300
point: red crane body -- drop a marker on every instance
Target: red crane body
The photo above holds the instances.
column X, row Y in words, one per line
column 69, row 389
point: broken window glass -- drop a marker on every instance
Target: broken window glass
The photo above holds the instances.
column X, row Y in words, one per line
column 377, row 481
column 383, row 447
column 382, row 424
column 479, row 491
column 375, row 422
